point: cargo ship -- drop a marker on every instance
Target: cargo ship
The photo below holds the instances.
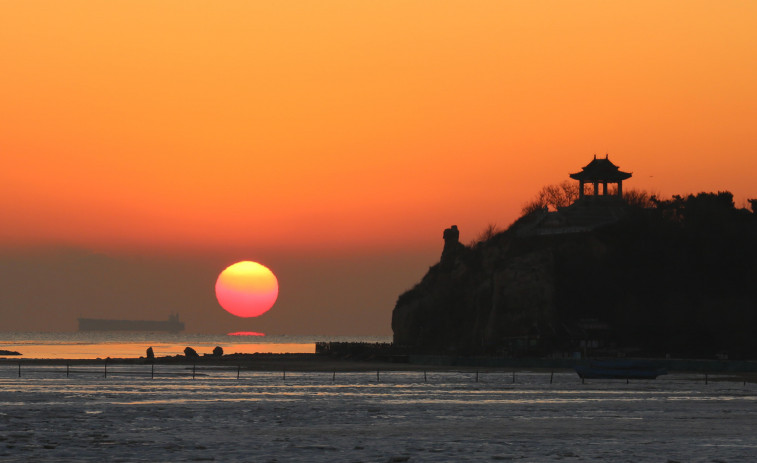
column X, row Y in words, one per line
column 172, row 325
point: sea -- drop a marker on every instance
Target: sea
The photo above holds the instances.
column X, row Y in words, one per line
column 176, row 413
column 115, row 344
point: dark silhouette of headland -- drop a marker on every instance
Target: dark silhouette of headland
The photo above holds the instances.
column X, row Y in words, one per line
column 597, row 272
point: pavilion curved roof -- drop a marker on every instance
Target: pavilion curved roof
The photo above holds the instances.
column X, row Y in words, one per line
column 600, row 170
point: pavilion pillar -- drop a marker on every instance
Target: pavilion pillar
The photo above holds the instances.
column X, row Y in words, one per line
column 580, row 189
column 620, row 188
column 604, row 188
column 596, row 188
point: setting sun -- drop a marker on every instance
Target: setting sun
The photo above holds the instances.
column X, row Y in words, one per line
column 247, row 289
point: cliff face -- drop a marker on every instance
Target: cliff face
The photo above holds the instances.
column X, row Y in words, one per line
column 500, row 294
column 653, row 282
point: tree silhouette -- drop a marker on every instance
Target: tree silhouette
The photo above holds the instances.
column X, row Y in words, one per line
column 553, row 196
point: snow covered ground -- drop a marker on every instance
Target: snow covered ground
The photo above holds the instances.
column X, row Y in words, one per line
column 316, row 416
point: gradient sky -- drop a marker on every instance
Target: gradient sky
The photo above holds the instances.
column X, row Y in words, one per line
column 146, row 146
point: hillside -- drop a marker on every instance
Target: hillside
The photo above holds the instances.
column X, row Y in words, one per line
column 675, row 278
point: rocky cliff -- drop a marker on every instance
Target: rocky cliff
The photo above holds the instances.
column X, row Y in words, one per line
column 676, row 278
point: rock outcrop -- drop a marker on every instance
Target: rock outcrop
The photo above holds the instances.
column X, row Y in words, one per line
column 452, row 246
column 470, row 302
column 677, row 278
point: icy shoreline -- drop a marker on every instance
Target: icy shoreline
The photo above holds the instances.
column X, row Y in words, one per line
column 356, row 416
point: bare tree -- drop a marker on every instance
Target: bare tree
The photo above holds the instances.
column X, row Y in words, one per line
column 553, row 197
column 487, row 233
column 639, row 198
column 533, row 206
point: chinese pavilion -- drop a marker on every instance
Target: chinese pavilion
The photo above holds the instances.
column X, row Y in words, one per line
column 600, row 171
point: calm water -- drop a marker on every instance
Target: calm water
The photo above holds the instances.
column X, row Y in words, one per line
column 78, row 345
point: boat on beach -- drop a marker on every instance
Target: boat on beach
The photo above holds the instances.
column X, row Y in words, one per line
column 172, row 325
column 620, row 369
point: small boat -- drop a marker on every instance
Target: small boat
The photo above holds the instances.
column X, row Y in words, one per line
column 620, row 369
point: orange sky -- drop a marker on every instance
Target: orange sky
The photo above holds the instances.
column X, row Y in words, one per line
column 248, row 128
column 345, row 124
